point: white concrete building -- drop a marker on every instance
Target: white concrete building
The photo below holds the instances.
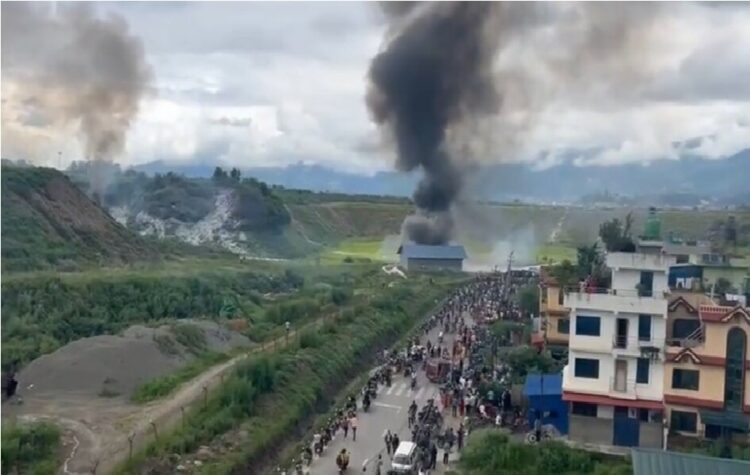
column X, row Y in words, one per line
column 615, row 373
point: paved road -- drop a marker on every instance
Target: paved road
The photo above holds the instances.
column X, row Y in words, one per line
column 388, row 412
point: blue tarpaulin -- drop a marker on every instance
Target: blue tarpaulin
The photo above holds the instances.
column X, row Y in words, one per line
column 544, row 392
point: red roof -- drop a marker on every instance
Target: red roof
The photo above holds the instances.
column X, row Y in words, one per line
column 611, row 401
column 722, row 313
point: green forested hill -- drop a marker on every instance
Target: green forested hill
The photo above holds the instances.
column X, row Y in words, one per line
column 48, row 222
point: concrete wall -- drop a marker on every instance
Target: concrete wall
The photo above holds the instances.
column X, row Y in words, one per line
column 552, row 334
column 590, row 430
column 716, row 338
column 434, row 264
column 627, row 279
column 651, row 435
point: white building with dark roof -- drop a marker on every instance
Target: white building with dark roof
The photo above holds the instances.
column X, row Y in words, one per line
column 420, row 257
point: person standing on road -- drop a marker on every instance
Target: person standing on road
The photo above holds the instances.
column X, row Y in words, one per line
column 433, row 456
column 394, row 443
column 460, row 437
column 345, row 425
column 353, row 424
column 379, row 465
column 388, row 440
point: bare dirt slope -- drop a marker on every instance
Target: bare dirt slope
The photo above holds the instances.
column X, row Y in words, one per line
column 98, row 430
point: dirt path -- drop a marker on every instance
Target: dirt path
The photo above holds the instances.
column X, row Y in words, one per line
column 98, row 434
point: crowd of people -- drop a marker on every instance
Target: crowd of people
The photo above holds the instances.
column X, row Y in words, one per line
column 470, row 393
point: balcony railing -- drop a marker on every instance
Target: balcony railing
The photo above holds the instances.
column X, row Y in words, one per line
column 626, row 260
column 636, row 346
column 644, row 293
column 694, row 339
column 622, row 386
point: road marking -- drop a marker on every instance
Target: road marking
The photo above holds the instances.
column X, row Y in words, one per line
column 390, row 389
column 419, row 393
column 389, row 406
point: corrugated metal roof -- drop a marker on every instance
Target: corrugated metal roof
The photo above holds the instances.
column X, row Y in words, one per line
column 552, row 385
column 660, row 462
column 421, row 251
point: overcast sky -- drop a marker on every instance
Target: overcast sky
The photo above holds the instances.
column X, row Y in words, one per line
column 273, row 84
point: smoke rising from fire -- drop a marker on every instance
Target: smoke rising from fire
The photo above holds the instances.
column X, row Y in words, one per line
column 456, row 84
column 68, row 69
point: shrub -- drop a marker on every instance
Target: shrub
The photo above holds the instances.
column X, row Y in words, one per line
column 30, row 448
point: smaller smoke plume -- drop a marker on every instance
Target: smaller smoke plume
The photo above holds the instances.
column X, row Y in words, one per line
column 69, row 69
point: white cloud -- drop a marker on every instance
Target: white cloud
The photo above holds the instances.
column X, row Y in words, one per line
column 271, row 84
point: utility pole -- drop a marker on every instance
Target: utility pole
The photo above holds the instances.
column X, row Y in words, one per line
column 506, row 287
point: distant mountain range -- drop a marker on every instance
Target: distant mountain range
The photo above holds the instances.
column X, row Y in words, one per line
column 685, row 182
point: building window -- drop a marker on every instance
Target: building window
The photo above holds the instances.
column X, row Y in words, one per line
column 589, row 326
column 583, row 409
column 643, row 415
column 641, row 373
column 684, row 421
column 563, row 326
column 683, row 258
column 683, row 327
column 644, row 327
column 646, row 285
column 587, row 368
column 685, row 379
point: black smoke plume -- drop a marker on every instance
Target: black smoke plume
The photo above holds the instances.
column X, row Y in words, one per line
column 433, row 73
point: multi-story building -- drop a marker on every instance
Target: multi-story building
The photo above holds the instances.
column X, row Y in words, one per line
column 554, row 316
column 707, row 369
column 614, row 378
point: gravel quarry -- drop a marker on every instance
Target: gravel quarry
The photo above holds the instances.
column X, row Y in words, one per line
column 113, row 366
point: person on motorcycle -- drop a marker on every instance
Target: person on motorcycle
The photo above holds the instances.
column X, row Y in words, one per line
column 413, row 380
column 366, row 401
column 412, row 413
column 342, row 460
column 440, row 337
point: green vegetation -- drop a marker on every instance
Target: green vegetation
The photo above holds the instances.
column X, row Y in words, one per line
column 165, row 385
column 268, row 396
column 490, row 452
column 41, row 314
column 49, row 223
column 30, row 448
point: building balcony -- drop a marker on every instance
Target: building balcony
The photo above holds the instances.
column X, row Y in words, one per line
column 635, row 347
column 617, row 301
column 637, row 261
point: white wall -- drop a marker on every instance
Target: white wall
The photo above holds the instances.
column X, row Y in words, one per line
column 605, row 412
column 627, row 279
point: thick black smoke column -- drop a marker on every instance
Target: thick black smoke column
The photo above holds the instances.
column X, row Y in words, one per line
column 434, row 73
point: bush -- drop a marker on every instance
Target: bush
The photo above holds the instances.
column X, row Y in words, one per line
column 30, row 448
column 490, row 452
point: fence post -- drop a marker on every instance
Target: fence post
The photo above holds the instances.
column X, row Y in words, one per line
column 130, row 443
column 156, row 433
column 182, row 411
column 205, row 395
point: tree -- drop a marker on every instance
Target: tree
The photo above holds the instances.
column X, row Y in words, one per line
column 219, row 174
column 723, row 286
column 591, row 264
column 528, row 300
column 616, row 235
column 235, row 174
column 565, row 273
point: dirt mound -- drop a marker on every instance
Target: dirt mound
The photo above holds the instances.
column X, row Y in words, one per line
column 114, row 366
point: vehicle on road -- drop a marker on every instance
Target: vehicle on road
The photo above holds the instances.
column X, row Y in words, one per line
column 437, row 370
column 405, row 458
